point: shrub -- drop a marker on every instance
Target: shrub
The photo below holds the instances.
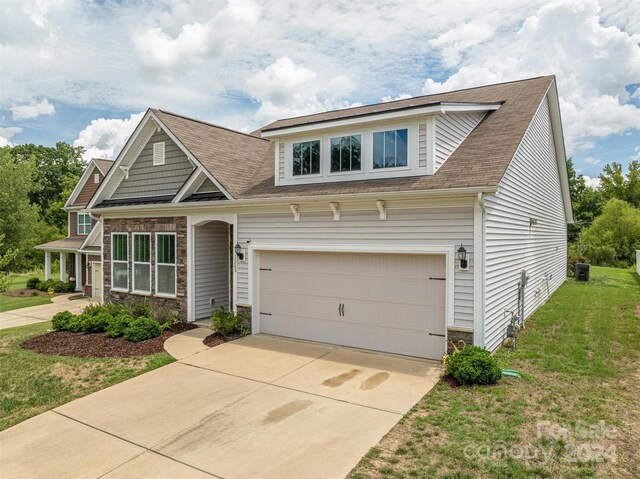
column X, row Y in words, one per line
column 141, row 329
column 118, row 325
column 474, row 365
column 140, row 309
column 33, row 283
column 115, row 309
column 76, row 323
column 60, row 321
column 164, row 317
column 95, row 310
column 227, row 322
column 5, row 282
column 56, row 286
column 97, row 323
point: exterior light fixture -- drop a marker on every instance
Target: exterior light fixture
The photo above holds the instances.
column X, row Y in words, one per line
column 462, row 257
column 239, row 252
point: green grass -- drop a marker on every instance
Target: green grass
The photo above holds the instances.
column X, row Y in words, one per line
column 580, row 358
column 19, row 281
column 32, row 383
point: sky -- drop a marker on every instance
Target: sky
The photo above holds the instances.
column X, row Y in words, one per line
column 84, row 72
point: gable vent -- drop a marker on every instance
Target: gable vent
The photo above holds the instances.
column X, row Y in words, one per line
column 158, row 153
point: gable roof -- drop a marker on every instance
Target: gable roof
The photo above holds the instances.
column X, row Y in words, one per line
column 480, row 161
column 79, row 196
column 230, row 156
column 243, row 164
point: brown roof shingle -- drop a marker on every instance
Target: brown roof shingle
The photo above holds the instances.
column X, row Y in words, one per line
column 64, row 244
column 244, row 164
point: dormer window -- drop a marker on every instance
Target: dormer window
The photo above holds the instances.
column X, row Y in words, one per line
column 158, row 153
column 306, row 158
column 346, row 153
column 390, row 149
column 96, row 178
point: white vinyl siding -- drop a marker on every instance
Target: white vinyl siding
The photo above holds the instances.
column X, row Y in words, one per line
column 437, row 226
column 120, row 261
column 166, row 264
column 451, row 130
column 211, row 264
column 422, row 145
column 142, row 263
column 530, row 188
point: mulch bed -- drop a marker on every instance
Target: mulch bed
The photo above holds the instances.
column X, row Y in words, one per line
column 63, row 343
column 18, row 293
column 216, row 338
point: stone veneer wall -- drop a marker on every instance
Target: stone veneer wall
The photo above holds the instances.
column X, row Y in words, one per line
column 176, row 224
column 459, row 337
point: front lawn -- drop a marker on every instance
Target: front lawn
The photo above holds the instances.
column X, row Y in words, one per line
column 9, row 302
column 575, row 414
column 32, row 383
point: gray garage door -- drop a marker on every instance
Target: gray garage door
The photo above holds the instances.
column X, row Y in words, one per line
column 384, row 302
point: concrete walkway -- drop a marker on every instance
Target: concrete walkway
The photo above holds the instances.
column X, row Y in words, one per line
column 43, row 312
column 187, row 344
column 258, row 407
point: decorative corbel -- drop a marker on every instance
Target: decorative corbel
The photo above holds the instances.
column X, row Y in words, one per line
column 382, row 208
column 295, row 209
column 335, row 207
column 125, row 170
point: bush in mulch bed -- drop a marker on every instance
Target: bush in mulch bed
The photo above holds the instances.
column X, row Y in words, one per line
column 216, row 338
column 98, row 345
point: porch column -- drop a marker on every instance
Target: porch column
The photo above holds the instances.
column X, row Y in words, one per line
column 63, row 266
column 78, row 272
column 47, row 265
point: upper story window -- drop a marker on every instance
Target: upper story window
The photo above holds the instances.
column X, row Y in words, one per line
column 96, row 178
column 84, row 224
column 306, row 158
column 346, row 153
column 158, row 153
column 390, row 148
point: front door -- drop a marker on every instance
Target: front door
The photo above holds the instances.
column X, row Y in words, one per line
column 96, row 280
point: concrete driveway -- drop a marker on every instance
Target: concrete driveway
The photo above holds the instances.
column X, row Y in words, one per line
column 43, row 312
column 256, row 407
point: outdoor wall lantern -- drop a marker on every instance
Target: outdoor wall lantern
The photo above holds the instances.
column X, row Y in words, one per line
column 462, row 257
column 239, row 251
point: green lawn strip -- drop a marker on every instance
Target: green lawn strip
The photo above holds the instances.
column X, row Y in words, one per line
column 9, row 303
column 576, row 355
column 32, row 383
column 19, row 280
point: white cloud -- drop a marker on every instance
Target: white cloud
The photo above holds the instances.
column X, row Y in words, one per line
column 401, row 96
column 32, row 110
column 285, row 89
column 453, row 42
column 104, row 138
column 591, row 160
column 593, row 183
column 7, row 133
column 197, row 41
column 593, row 63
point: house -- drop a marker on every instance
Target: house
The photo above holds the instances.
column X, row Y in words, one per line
column 80, row 251
column 393, row 227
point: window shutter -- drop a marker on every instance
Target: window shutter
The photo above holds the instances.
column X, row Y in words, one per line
column 158, row 153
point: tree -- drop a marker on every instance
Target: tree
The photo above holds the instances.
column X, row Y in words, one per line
column 586, row 202
column 20, row 226
column 615, row 184
column 614, row 236
column 54, row 168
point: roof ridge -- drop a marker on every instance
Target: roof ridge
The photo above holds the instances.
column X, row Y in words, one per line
column 411, row 98
column 209, row 124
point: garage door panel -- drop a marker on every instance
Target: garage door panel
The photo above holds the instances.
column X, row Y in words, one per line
column 390, row 304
